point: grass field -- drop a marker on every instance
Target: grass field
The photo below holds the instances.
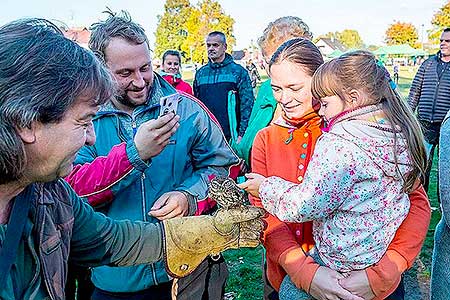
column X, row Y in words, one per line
column 245, row 265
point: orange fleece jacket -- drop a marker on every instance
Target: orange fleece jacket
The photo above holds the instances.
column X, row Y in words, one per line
column 285, row 152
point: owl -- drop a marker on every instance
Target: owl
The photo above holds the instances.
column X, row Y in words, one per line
column 226, row 193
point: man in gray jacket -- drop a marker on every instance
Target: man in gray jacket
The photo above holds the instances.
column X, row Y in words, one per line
column 430, row 95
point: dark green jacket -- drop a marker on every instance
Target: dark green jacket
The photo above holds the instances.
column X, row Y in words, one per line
column 61, row 221
column 214, row 81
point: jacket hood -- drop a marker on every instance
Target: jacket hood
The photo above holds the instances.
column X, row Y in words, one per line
column 228, row 60
column 375, row 137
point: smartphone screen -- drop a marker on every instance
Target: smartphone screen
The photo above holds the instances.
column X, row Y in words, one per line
column 169, row 104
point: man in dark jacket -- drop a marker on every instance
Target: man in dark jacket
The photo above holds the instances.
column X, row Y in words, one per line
column 50, row 89
column 430, row 95
column 221, row 79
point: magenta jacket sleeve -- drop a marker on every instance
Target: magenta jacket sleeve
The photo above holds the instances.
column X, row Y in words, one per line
column 94, row 180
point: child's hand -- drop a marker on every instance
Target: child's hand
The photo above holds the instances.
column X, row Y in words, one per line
column 252, row 184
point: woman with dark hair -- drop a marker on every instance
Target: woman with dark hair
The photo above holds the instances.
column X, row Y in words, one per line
column 284, row 149
column 171, row 71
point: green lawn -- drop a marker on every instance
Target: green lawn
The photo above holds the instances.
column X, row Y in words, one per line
column 245, row 265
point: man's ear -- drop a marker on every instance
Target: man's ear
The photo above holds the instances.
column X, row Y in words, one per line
column 27, row 134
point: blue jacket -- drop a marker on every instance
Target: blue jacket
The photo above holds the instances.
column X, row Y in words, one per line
column 430, row 91
column 199, row 150
column 212, row 84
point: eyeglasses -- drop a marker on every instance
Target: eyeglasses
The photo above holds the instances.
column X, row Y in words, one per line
column 447, row 41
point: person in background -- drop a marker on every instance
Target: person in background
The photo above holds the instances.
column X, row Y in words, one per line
column 396, row 70
column 430, row 96
column 265, row 108
column 222, row 84
column 253, row 72
column 284, row 149
column 171, row 71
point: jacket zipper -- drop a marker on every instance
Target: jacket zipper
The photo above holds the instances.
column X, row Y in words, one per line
column 144, row 206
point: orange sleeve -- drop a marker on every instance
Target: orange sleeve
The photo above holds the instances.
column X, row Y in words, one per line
column 300, row 267
column 280, row 243
column 405, row 246
column 277, row 236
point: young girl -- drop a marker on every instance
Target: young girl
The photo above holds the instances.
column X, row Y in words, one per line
column 355, row 186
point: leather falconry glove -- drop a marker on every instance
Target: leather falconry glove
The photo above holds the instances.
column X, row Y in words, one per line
column 188, row 241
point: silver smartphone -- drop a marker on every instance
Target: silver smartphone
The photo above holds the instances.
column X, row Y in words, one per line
column 169, row 104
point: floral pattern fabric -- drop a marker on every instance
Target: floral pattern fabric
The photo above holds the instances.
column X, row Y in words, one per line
column 352, row 190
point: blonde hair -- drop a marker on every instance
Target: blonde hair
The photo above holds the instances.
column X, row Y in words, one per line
column 281, row 30
column 360, row 70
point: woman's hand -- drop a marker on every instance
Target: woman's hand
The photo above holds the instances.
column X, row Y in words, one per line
column 357, row 283
column 252, row 184
column 325, row 286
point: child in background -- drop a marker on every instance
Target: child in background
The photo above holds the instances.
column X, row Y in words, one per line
column 355, row 187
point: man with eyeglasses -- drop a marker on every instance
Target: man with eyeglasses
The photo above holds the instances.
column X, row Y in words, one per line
column 430, row 95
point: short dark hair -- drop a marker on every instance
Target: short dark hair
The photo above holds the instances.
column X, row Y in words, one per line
column 42, row 75
column 116, row 25
column 446, row 29
column 219, row 33
column 171, row 52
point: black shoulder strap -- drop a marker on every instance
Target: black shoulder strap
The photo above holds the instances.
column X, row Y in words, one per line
column 16, row 223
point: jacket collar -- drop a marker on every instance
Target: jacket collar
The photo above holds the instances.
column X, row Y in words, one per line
column 228, row 60
column 310, row 117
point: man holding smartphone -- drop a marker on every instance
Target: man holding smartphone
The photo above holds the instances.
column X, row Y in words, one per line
column 142, row 162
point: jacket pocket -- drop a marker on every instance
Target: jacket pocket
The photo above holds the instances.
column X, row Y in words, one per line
column 52, row 243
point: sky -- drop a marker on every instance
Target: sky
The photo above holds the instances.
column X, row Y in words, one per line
column 369, row 18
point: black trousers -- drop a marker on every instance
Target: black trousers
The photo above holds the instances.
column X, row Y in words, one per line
column 206, row 282
column 431, row 132
column 79, row 285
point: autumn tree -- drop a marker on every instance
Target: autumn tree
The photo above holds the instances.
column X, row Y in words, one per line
column 206, row 17
column 440, row 21
column 401, row 33
column 171, row 31
column 349, row 38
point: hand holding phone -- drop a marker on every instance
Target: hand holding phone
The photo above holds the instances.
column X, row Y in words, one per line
column 169, row 104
